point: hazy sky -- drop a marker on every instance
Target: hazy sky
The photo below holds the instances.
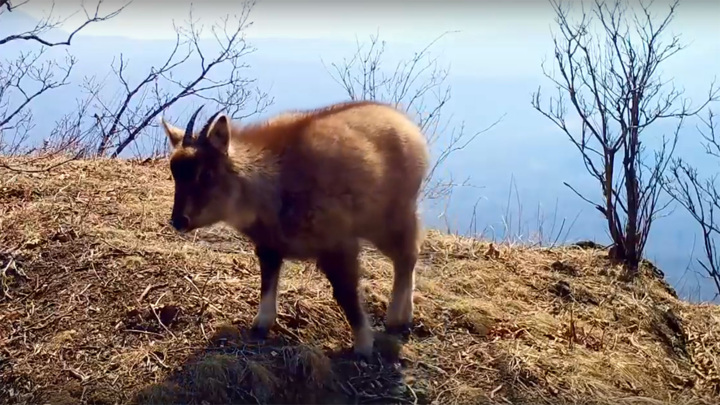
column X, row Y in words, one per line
column 416, row 20
column 506, row 38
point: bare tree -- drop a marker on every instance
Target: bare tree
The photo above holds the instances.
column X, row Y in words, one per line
column 122, row 119
column 31, row 75
column 417, row 86
column 610, row 74
column 115, row 114
column 701, row 198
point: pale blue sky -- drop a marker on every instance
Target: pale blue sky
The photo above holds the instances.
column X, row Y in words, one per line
column 493, row 38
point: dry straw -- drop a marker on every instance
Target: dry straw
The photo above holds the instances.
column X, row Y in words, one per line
column 102, row 303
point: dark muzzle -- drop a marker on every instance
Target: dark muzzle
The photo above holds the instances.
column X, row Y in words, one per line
column 180, row 222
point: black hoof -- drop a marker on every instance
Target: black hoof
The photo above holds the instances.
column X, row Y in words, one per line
column 259, row 333
column 403, row 331
column 362, row 360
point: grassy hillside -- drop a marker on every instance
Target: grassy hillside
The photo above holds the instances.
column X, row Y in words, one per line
column 103, row 303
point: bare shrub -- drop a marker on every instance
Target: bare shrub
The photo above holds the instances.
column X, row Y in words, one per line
column 610, row 72
column 31, row 75
column 117, row 110
column 700, row 196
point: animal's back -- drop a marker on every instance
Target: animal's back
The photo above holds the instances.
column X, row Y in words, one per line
column 373, row 147
column 351, row 169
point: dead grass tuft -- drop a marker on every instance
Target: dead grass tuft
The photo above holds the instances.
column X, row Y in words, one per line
column 312, row 364
column 101, row 302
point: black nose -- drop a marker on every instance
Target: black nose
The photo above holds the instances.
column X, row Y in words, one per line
column 180, row 223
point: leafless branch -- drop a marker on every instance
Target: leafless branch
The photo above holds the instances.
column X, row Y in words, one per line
column 109, row 121
column 218, row 77
column 701, row 198
column 32, row 74
column 45, row 25
column 607, row 70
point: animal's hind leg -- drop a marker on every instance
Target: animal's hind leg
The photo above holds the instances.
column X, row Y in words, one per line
column 402, row 246
column 341, row 267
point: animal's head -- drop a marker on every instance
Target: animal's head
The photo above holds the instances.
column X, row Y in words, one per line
column 200, row 167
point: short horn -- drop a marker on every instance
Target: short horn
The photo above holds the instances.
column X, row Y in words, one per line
column 190, row 125
column 206, row 128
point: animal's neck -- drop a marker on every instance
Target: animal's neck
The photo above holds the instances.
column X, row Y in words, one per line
column 257, row 176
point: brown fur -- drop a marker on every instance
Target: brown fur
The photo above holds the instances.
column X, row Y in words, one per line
column 310, row 185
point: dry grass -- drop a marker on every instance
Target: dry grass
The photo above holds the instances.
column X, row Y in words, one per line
column 102, row 303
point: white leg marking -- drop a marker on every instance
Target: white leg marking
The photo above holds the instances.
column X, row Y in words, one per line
column 364, row 339
column 400, row 310
column 267, row 311
column 407, row 299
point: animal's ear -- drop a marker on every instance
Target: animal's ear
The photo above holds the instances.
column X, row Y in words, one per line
column 219, row 133
column 174, row 134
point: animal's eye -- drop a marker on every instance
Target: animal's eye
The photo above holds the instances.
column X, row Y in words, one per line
column 183, row 169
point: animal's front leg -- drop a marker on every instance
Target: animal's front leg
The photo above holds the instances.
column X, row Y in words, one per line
column 270, row 265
